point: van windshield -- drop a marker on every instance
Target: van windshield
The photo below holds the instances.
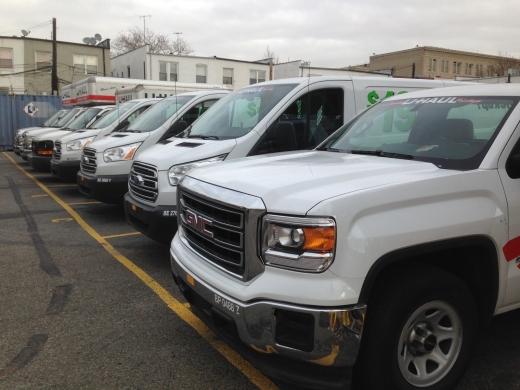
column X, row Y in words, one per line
column 238, row 113
column 83, row 119
column 52, row 119
column 158, row 114
column 451, row 132
column 112, row 115
column 67, row 117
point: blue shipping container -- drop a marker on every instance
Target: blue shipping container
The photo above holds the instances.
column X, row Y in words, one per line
column 20, row 111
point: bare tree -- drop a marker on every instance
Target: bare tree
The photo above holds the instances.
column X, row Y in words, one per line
column 505, row 62
column 268, row 53
column 158, row 43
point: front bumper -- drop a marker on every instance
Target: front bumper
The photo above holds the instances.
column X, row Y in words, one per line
column 40, row 163
column 65, row 170
column 106, row 189
column 265, row 332
column 24, row 153
column 158, row 223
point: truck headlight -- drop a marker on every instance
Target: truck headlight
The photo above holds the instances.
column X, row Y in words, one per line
column 78, row 144
column 177, row 172
column 120, row 153
column 299, row 244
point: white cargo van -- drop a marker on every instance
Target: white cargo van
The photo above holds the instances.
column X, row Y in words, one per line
column 28, row 136
column 274, row 116
column 43, row 144
column 68, row 148
column 106, row 163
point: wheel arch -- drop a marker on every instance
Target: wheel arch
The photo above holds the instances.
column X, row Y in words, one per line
column 472, row 258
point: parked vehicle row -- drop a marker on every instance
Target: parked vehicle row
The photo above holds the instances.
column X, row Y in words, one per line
column 302, row 222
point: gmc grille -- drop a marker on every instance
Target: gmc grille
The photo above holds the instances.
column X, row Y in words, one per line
column 142, row 181
column 88, row 161
column 220, row 239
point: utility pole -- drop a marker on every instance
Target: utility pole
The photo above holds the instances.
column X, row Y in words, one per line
column 144, row 26
column 54, row 69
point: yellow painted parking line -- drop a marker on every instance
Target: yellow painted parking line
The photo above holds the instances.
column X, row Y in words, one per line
column 37, row 196
column 121, row 235
column 178, row 308
column 76, row 203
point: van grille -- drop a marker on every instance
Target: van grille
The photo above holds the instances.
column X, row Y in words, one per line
column 88, row 161
column 142, row 181
column 57, row 150
column 216, row 232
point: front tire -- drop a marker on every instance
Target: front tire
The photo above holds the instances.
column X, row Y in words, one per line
column 420, row 331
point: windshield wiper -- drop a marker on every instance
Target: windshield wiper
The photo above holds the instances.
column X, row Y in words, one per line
column 202, row 136
column 380, row 153
column 331, row 150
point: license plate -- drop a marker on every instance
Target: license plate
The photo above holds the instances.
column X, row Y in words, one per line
column 227, row 305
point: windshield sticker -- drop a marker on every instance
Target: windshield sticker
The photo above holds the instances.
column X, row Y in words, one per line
column 441, row 100
column 426, row 148
column 256, row 89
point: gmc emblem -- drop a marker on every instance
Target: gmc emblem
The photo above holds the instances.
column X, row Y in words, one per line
column 198, row 223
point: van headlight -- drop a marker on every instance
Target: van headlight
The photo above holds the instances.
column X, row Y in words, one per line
column 177, row 172
column 299, row 244
column 78, row 144
column 121, row 153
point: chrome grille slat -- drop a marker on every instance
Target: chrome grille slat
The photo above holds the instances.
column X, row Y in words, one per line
column 142, row 181
column 90, row 166
column 223, row 245
column 57, row 150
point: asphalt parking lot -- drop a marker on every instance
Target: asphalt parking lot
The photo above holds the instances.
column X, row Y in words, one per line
column 88, row 302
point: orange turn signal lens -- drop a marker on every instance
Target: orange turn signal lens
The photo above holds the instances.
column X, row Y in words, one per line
column 319, row 239
column 130, row 154
column 45, row 152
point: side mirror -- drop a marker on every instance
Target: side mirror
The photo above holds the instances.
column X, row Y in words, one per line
column 284, row 137
column 513, row 166
column 122, row 125
column 178, row 127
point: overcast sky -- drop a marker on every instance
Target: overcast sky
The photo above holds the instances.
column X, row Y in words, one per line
column 328, row 33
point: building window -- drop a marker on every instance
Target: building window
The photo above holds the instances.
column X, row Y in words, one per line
column 85, row 64
column 456, row 67
column 227, row 76
column 201, row 74
column 6, row 58
column 468, row 69
column 167, row 71
column 432, row 65
column 490, row 71
column 43, row 61
column 128, row 71
column 479, row 68
column 444, row 68
column 256, row 76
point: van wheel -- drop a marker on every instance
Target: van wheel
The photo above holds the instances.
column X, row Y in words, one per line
column 420, row 331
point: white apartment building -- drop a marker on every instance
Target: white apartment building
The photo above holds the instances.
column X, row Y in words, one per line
column 140, row 64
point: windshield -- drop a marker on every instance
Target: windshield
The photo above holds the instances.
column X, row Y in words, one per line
column 238, row 113
column 83, row 119
column 450, row 132
column 113, row 115
column 52, row 119
column 159, row 113
column 63, row 120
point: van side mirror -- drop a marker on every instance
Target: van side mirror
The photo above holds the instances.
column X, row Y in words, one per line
column 513, row 166
column 284, row 137
column 122, row 125
column 178, row 127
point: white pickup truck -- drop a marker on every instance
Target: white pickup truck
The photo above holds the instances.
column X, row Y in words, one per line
column 380, row 253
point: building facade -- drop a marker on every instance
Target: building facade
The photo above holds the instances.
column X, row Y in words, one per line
column 434, row 62
column 25, row 63
column 305, row 69
column 141, row 64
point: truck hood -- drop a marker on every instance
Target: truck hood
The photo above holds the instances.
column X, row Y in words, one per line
column 78, row 135
column 39, row 130
column 176, row 151
column 51, row 135
column 117, row 139
column 293, row 183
